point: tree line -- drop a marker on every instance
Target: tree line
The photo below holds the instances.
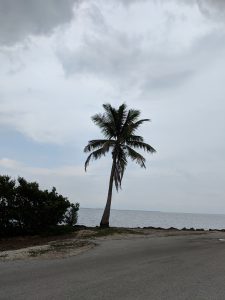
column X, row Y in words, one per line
column 26, row 209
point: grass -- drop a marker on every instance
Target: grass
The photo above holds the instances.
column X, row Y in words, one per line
column 37, row 252
column 3, row 255
column 101, row 232
column 58, row 230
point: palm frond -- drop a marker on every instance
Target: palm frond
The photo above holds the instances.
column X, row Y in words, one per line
column 110, row 115
column 121, row 163
column 116, row 117
column 141, row 145
column 133, row 115
column 96, row 155
column 135, row 138
column 134, row 126
column 96, row 144
column 107, row 127
column 121, row 118
column 135, row 156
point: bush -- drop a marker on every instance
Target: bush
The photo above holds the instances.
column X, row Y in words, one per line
column 25, row 209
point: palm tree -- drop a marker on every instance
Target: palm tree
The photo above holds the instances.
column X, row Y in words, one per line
column 119, row 128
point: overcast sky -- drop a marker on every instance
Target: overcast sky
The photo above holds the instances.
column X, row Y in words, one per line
column 61, row 60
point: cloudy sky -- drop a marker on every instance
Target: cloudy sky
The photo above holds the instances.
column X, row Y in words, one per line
column 61, row 60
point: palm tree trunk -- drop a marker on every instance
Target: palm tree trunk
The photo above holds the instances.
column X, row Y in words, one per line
column 105, row 217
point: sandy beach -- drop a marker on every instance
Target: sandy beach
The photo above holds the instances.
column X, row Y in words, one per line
column 155, row 264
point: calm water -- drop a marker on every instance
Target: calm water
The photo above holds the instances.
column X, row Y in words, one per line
column 134, row 218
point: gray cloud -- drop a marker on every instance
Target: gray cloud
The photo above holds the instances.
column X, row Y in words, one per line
column 21, row 18
column 167, row 81
column 132, row 59
column 212, row 8
column 113, row 54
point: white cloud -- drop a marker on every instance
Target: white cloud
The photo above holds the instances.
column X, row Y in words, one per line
column 63, row 171
column 9, row 163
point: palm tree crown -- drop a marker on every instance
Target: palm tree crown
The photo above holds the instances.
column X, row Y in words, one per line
column 119, row 127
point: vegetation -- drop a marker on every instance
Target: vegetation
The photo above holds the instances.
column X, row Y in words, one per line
column 25, row 209
column 119, row 128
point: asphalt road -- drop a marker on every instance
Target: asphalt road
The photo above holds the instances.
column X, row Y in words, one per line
column 185, row 267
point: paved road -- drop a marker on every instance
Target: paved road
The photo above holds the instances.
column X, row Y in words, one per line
column 190, row 267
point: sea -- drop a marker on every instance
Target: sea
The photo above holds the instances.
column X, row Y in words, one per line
column 137, row 218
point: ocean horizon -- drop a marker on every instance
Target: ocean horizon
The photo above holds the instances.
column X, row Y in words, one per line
column 142, row 218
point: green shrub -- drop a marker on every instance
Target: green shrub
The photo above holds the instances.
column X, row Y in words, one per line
column 25, row 209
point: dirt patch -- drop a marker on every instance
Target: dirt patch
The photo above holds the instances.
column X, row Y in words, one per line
column 15, row 243
column 86, row 233
column 52, row 250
